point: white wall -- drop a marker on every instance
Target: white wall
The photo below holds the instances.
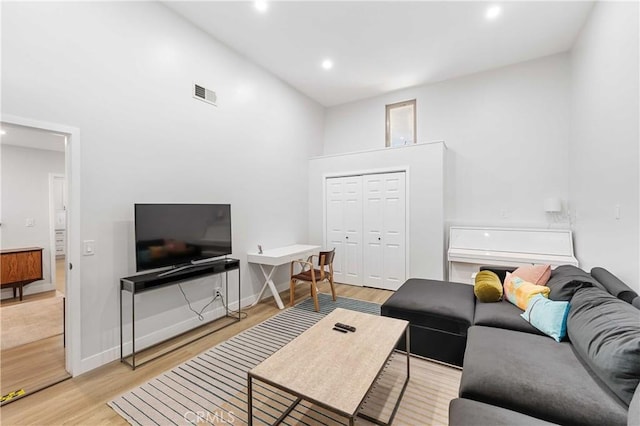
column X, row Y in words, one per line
column 122, row 72
column 25, row 194
column 506, row 130
column 604, row 159
column 425, row 172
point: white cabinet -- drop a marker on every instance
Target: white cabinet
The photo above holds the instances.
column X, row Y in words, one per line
column 366, row 224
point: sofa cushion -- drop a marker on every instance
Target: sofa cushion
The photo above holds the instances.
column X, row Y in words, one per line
column 634, row 409
column 605, row 332
column 502, row 315
column 434, row 304
column 567, row 279
column 487, row 287
column 537, row 377
column 463, row 412
column 613, row 285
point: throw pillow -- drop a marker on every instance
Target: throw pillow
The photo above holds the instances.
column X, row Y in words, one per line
column 488, row 287
column 548, row 316
column 536, row 274
column 519, row 292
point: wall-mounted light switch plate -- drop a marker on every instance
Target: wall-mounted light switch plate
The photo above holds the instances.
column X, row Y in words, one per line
column 88, row 247
column 30, row 222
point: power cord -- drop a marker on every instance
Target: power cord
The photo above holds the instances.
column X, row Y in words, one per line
column 242, row 314
column 199, row 314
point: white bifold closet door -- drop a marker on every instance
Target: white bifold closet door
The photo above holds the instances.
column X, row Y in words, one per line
column 384, row 221
column 365, row 222
column 344, row 227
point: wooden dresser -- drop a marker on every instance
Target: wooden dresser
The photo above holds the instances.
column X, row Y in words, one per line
column 20, row 267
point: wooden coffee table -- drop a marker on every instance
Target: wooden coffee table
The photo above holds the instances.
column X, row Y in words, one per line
column 331, row 369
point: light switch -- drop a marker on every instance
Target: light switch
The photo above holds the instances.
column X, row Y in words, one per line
column 88, row 247
column 616, row 211
column 30, row 222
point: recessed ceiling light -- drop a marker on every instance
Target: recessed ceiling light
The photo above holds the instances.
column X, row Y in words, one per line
column 493, row 12
column 327, row 64
column 3, row 132
column 261, row 6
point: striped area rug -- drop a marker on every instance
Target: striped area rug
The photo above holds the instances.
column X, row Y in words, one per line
column 211, row 388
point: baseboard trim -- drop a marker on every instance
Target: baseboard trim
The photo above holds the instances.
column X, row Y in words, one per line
column 33, row 288
column 113, row 354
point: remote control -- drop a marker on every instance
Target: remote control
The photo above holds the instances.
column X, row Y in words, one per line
column 339, row 329
column 345, row 326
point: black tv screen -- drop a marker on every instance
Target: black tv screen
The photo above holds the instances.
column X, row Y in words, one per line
column 177, row 234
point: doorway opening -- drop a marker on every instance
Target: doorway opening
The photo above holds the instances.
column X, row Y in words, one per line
column 38, row 346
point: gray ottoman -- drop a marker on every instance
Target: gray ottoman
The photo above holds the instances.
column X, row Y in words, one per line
column 439, row 314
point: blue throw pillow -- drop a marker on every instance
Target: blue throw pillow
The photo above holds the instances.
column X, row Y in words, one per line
column 548, row 316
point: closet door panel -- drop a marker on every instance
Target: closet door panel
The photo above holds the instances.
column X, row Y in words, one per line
column 335, row 224
column 353, row 230
column 373, row 257
column 394, row 235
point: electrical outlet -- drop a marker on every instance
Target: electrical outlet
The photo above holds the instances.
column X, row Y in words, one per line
column 218, row 291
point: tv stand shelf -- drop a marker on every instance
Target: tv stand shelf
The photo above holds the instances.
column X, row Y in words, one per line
column 138, row 284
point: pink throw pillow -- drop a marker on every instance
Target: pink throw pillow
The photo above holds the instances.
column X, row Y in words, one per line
column 536, row 274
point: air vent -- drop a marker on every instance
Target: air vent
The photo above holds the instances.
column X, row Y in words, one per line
column 204, row 94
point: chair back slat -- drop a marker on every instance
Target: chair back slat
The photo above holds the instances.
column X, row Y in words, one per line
column 326, row 258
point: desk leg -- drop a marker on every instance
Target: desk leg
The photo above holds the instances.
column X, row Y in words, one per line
column 269, row 283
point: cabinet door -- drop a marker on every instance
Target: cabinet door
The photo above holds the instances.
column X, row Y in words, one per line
column 30, row 265
column 344, row 227
column 385, row 230
column 9, row 271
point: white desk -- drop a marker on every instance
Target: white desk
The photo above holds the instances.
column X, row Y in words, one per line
column 274, row 258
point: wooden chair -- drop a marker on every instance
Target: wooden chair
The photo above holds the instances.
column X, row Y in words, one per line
column 313, row 276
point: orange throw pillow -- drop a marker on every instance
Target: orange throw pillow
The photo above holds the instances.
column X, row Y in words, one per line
column 519, row 291
column 536, row 274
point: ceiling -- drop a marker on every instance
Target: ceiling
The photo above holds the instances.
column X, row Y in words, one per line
column 377, row 47
column 28, row 137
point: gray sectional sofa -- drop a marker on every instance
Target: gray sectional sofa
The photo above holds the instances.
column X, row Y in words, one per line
column 515, row 375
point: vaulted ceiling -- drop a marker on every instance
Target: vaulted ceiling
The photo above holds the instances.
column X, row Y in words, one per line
column 378, row 47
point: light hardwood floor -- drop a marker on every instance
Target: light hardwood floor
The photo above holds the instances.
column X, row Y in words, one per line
column 82, row 400
column 33, row 365
column 60, row 274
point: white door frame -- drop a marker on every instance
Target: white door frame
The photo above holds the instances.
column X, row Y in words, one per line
column 73, row 245
column 52, row 225
column 407, row 174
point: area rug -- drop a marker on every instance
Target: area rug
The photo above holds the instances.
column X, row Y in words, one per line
column 211, row 388
column 30, row 321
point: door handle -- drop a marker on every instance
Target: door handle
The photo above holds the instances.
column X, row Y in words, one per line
column 347, row 237
column 378, row 238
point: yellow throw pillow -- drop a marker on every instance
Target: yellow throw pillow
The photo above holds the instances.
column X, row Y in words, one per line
column 519, row 292
column 488, row 287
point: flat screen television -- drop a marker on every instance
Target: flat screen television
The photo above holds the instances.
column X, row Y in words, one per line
column 180, row 234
